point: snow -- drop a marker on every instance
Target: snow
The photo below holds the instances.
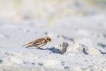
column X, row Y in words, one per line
column 78, row 43
column 85, row 50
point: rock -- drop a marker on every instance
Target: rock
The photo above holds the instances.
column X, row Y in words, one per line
column 93, row 51
column 81, row 48
column 89, row 50
column 62, row 47
column 73, row 47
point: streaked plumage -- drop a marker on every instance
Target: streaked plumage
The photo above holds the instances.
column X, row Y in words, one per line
column 38, row 42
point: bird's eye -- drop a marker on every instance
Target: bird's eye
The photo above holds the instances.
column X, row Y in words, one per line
column 49, row 39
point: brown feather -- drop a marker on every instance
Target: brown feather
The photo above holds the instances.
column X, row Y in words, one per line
column 38, row 42
column 35, row 43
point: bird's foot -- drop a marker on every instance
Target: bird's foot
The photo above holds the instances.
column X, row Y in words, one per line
column 41, row 48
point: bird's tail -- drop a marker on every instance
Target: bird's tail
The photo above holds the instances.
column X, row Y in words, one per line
column 27, row 45
column 24, row 45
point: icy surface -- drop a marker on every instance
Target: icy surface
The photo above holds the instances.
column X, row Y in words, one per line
column 78, row 34
column 86, row 45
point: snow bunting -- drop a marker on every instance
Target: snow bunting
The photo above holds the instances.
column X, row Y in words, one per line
column 38, row 42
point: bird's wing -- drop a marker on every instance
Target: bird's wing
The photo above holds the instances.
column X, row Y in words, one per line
column 35, row 42
column 29, row 44
column 39, row 41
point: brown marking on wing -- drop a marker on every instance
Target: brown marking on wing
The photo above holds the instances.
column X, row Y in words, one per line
column 39, row 41
column 35, row 42
column 30, row 44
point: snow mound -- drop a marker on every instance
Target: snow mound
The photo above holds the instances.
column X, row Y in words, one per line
column 62, row 47
column 76, row 47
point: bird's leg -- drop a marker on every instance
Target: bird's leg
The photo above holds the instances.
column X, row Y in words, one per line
column 40, row 48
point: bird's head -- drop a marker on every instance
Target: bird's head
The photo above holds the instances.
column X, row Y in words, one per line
column 48, row 39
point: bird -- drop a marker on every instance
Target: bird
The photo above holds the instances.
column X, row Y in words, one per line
column 38, row 42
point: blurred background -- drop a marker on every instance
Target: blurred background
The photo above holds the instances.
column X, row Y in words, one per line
column 79, row 21
column 50, row 10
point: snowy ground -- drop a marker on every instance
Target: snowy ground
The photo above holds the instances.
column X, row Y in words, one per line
column 86, row 37
column 82, row 26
